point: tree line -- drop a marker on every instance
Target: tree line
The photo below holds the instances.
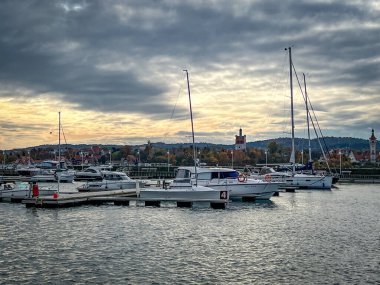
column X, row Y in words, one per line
column 274, row 154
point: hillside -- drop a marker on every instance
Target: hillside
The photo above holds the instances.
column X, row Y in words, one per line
column 331, row 143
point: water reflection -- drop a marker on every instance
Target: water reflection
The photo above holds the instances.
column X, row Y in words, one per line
column 296, row 238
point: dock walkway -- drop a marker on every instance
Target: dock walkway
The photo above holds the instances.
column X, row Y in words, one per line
column 117, row 197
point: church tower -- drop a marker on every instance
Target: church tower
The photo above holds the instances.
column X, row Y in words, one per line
column 240, row 141
column 372, row 147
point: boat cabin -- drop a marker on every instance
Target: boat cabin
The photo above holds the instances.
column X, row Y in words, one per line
column 115, row 176
column 53, row 164
column 185, row 174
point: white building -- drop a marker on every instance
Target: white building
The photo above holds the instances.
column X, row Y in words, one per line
column 372, row 147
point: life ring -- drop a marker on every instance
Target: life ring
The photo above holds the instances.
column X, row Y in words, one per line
column 268, row 178
column 242, row 178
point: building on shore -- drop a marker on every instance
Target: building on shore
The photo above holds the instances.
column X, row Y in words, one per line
column 364, row 156
column 372, row 147
column 240, row 141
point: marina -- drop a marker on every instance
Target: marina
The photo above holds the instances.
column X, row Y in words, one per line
column 114, row 171
column 70, row 197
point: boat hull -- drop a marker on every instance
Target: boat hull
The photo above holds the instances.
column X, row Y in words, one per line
column 87, row 177
column 103, row 186
column 181, row 193
column 22, row 193
column 237, row 190
column 309, row 182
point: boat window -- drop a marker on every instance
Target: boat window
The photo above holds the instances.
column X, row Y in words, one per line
column 214, row 175
column 111, row 177
column 229, row 174
column 204, row 176
column 183, row 173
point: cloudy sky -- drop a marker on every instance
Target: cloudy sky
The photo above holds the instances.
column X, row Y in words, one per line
column 114, row 69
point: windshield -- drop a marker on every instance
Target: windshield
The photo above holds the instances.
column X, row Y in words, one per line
column 229, row 174
column 225, row 174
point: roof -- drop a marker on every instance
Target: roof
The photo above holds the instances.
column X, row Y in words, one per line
column 372, row 138
column 206, row 169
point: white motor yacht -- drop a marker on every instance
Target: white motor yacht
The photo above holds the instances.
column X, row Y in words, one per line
column 112, row 180
column 27, row 170
column 50, row 175
column 239, row 186
column 90, row 173
column 22, row 190
column 190, row 193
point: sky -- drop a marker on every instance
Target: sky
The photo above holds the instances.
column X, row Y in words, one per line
column 114, row 69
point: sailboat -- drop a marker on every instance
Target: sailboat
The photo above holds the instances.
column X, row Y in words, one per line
column 193, row 192
column 335, row 178
column 54, row 170
column 303, row 181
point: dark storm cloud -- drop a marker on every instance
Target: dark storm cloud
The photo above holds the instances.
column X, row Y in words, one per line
column 10, row 127
column 33, row 55
column 74, row 47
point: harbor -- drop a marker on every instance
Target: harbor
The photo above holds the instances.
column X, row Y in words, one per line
column 189, row 142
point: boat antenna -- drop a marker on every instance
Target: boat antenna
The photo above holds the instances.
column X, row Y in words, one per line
column 292, row 157
column 192, row 128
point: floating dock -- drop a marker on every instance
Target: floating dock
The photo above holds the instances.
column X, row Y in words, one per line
column 287, row 189
column 74, row 199
column 117, row 197
column 14, row 178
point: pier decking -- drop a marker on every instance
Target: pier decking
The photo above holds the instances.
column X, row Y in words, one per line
column 117, row 197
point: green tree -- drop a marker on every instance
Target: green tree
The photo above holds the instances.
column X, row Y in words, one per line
column 273, row 147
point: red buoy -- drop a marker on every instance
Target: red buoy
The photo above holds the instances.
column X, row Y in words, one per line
column 35, row 190
column 55, row 195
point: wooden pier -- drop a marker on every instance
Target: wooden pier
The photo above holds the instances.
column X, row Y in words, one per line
column 117, row 197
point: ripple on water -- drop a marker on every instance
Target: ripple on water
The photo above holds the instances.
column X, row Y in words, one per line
column 308, row 237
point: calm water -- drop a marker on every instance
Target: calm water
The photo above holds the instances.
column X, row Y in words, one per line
column 318, row 237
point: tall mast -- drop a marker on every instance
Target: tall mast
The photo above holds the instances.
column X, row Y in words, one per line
column 192, row 128
column 59, row 149
column 307, row 117
column 292, row 157
column 59, row 140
